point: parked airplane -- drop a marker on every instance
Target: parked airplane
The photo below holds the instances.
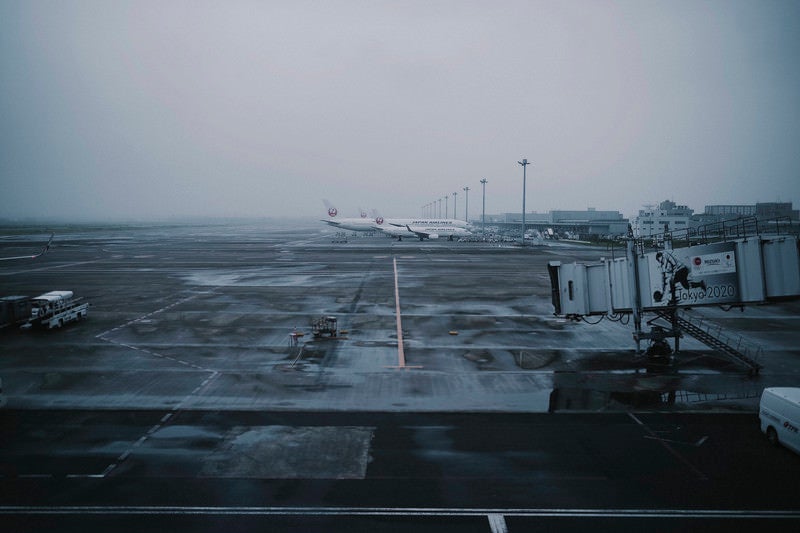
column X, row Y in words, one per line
column 44, row 250
column 425, row 229
column 351, row 224
column 398, row 227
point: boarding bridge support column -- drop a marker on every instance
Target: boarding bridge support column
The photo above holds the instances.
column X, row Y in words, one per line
column 633, row 279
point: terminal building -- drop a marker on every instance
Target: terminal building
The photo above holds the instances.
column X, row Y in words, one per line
column 653, row 220
column 589, row 224
column 668, row 216
column 763, row 210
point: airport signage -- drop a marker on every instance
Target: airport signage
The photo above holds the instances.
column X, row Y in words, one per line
column 697, row 275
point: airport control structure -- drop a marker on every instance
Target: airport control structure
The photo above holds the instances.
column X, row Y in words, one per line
column 730, row 264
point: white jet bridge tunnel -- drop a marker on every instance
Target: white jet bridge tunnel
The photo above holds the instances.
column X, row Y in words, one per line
column 746, row 270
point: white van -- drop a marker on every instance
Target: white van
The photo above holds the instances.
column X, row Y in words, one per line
column 779, row 413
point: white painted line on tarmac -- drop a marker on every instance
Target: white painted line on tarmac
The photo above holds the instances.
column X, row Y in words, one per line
column 147, row 315
column 697, row 444
column 498, row 523
column 150, row 432
column 669, row 448
column 397, row 511
column 52, row 267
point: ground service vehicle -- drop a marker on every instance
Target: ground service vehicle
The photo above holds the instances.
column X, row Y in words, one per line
column 779, row 413
column 324, row 325
column 56, row 308
column 14, row 310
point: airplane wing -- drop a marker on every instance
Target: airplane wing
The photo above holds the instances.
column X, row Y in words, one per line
column 44, row 250
column 421, row 234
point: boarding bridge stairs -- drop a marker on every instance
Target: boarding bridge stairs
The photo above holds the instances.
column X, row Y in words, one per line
column 735, row 349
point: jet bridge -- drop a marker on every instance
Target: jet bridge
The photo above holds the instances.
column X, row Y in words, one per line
column 746, row 270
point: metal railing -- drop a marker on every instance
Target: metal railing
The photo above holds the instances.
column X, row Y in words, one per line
column 737, row 342
column 724, row 230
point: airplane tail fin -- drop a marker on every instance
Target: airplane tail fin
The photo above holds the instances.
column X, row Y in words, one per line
column 332, row 211
column 47, row 246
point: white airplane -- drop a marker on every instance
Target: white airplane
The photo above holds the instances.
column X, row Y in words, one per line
column 44, row 250
column 398, row 227
column 351, row 224
column 424, row 229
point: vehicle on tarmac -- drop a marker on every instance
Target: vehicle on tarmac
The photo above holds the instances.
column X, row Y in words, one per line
column 779, row 413
column 14, row 310
column 324, row 325
column 54, row 309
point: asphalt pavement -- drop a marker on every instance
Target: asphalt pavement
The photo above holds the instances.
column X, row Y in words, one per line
column 194, row 396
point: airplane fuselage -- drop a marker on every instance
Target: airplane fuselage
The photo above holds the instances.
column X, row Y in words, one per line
column 426, row 229
column 353, row 224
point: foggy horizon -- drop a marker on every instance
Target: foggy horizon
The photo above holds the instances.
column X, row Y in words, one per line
column 137, row 111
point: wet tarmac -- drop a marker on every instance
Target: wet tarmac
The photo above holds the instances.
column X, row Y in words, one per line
column 177, row 307
column 215, row 319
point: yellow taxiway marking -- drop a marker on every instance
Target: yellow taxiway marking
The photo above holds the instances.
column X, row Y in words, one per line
column 401, row 356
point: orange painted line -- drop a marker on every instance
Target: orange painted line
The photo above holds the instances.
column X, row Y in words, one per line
column 401, row 356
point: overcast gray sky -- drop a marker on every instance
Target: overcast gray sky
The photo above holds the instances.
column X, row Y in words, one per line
column 171, row 108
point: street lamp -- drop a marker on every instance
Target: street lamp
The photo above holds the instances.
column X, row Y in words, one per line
column 483, row 215
column 524, row 164
column 455, row 205
column 445, row 206
column 466, row 206
column 440, row 209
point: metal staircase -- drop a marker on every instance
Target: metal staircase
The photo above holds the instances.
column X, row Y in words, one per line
column 742, row 353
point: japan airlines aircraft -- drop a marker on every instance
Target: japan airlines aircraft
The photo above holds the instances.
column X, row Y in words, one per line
column 431, row 228
column 363, row 223
column 425, row 229
column 44, row 250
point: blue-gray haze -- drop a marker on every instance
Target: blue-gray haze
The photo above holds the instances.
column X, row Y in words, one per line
column 153, row 109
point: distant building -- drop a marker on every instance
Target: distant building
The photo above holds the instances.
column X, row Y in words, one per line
column 667, row 216
column 730, row 211
column 590, row 223
column 762, row 210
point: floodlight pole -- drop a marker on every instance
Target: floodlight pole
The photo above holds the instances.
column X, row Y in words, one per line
column 445, row 206
column 466, row 207
column 440, row 209
column 455, row 205
column 524, row 164
column 483, row 214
